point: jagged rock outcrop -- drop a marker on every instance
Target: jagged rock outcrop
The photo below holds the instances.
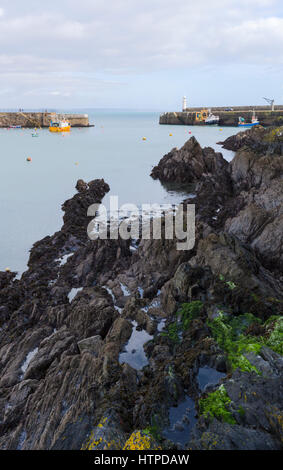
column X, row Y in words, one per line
column 188, row 164
column 258, row 139
column 257, row 176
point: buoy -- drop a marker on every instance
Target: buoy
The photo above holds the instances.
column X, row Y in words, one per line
column 221, row 129
column 144, row 138
column 170, row 135
column 7, row 270
column 29, row 159
column 190, row 132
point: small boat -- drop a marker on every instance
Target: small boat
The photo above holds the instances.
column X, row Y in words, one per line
column 243, row 123
column 60, row 126
column 200, row 116
column 212, row 119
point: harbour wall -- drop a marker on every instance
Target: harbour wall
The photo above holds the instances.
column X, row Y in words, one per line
column 265, row 116
column 36, row 119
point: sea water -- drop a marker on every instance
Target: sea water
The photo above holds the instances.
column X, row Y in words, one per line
column 32, row 192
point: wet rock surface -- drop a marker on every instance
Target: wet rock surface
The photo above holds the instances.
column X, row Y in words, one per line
column 256, row 406
column 109, row 345
column 188, row 164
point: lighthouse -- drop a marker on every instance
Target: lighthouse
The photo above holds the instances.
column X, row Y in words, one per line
column 184, row 103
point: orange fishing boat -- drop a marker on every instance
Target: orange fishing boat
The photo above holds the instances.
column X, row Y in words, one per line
column 60, row 126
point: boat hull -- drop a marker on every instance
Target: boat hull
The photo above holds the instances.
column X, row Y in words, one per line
column 249, row 124
column 60, row 129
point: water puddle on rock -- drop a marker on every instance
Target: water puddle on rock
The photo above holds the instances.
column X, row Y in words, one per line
column 208, row 376
column 161, row 325
column 125, row 290
column 28, row 359
column 63, row 259
column 73, row 292
column 134, row 244
column 119, row 309
column 182, row 419
column 155, row 303
column 134, row 354
column 141, row 292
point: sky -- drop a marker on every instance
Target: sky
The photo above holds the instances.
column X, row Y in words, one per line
column 140, row 54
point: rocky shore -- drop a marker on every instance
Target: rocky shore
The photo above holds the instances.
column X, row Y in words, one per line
column 122, row 344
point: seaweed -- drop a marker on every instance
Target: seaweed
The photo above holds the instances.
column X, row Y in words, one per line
column 216, row 405
column 230, row 335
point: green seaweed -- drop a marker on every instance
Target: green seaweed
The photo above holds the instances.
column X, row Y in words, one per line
column 172, row 332
column 230, row 284
column 275, row 340
column 187, row 313
column 216, row 405
column 154, row 429
column 228, row 333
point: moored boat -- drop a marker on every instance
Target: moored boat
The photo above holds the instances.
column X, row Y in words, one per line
column 243, row 123
column 212, row 119
column 60, row 126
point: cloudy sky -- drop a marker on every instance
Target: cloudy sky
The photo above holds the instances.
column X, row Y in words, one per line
column 142, row 54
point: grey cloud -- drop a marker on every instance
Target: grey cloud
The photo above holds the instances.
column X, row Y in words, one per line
column 39, row 40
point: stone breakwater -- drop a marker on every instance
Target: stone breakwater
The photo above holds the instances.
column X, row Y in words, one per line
column 227, row 118
column 34, row 119
column 209, row 320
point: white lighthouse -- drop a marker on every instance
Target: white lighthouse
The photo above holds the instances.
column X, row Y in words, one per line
column 184, row 103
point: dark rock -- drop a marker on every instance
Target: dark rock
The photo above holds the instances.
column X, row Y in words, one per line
column 62, row 386
column 75, row 220
column 188, row 164
column 258, row 401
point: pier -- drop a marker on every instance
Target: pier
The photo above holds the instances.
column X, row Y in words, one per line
column 41, row 119
column 266, row 116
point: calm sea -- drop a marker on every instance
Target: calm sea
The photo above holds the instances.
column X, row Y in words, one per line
column 32, row 193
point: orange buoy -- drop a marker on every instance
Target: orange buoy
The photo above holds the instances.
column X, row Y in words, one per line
column 144, row 138
column 29, row 159
column 170, row 135
column 7, row 270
